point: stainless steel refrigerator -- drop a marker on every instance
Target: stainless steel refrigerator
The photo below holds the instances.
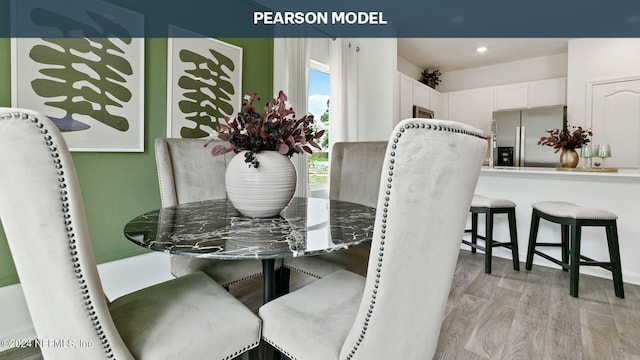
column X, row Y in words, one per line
column 518, row 132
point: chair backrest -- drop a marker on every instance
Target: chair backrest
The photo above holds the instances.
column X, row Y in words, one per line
column 355, row 171
column 428, row 179
column 43, row 218
column 188, row 172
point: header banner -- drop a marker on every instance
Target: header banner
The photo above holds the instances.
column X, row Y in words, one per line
column 326, row 18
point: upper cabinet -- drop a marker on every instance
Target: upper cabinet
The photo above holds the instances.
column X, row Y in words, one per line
column 420, row 95
column 405, row 97
column 531, row 94
column 548, row 92
column 512, row 96
column 412, row 92
column 473, row 107
column 476, row 106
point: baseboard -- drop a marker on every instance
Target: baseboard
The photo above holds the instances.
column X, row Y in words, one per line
column 117, row 280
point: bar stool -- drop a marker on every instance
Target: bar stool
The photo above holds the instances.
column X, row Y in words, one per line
column 490, row 207
column 571, row 219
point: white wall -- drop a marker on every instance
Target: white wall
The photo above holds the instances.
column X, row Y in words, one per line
column 377, row 64
column 539, row 68
column 409, row 69
column 594, row 60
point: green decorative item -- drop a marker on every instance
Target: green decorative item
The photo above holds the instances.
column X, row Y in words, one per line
column 207, row 91
column 92, row 88
column 204, row 83
column 84, row 76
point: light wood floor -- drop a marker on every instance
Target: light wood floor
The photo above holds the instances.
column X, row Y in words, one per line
column 514, row 315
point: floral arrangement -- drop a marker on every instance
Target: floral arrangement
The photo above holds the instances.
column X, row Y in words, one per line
column 565, row 139
column 431, row 78
column 275, row 129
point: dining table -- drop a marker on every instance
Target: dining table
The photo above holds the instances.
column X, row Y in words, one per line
column 214, row 229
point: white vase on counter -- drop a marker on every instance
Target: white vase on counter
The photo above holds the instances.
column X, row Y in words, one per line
column 263, row 191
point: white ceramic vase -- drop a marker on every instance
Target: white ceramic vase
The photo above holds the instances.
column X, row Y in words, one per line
column 263, row 191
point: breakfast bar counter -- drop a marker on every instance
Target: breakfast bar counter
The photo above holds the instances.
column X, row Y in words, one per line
column 618, row 192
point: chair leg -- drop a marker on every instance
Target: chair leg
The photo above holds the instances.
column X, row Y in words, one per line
column 574, row 262
column 614, row 256
column 513, row 234
column 564, row 231
column 474, row 231
column 533, row 235
column 488, row 238
column 283, row 276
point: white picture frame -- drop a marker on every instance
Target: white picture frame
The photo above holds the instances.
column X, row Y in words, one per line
column 96, row 98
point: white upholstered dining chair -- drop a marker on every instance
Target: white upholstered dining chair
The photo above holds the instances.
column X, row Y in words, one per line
column 354, row 176
column 42, row 213
column 188, row 172
column 429, row 175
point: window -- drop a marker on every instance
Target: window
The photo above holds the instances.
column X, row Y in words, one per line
column 318, row 105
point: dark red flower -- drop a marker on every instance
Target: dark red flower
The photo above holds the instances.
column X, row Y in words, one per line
column 275, row 129
column 565, row 139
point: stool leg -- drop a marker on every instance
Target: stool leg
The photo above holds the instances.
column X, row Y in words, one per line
column 474, row 231
column 488, row 237
column 574, row 262
column 614, row 256
column 564, row 231
column 513, row 233
column 533, row 235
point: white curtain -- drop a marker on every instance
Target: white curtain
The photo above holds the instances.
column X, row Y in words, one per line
column 291, row 74
column 343, row 106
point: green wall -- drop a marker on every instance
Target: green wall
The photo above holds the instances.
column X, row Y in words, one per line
column 118, row 186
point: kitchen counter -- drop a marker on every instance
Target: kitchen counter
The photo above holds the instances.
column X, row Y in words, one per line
column 618, row 192
column 506, row 170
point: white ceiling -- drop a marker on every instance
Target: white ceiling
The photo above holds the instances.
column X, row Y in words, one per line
column 449, row 54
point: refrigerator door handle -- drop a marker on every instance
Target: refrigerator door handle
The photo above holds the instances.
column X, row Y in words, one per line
column 523, row 143
column 516, row 157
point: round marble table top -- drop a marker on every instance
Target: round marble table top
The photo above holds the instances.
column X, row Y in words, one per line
column 215, row 229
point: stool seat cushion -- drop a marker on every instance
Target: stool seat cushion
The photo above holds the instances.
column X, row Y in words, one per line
column 569, row 210
column 487, row 202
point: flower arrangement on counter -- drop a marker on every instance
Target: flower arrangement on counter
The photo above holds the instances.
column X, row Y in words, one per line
column 561, row 139
column 275, row 129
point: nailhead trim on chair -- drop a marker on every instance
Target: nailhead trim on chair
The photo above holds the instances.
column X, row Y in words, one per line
column 301, row 271
column 281, row 350
column 242, row 351
column 385, row 211
column 69, row 226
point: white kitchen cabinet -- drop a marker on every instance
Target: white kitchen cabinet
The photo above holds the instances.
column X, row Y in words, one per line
column 405, row 97
column 547, row 92
column 473, row 107
column 421, row 95
column 615, row 120
column 481, row 108
column 513, row 96
column 435, row 103
column 459, row 106
column 412, row 92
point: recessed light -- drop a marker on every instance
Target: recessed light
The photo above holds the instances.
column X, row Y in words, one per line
column 481, row 49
